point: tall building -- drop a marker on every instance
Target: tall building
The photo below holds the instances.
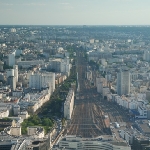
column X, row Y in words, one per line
column 123, row 82
column 15, row 67
column 12, row 82
column 146, row 55
column 10, row 72
column 1, row 65
column 11, row 59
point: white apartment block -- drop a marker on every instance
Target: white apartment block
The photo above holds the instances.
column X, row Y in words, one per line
column 35, row 81
column 42, row 80
column 128, row 135
column 34, row 101
column 27, row 64
column 48, row 80
column 60, row 65
column 68, row 105
column 100, row 83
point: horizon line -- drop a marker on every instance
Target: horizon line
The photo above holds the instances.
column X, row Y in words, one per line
column 66, row 25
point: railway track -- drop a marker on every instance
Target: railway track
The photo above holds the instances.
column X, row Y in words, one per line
column 86, row 120
column 88, row 117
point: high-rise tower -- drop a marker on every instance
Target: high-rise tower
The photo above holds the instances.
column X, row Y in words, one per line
column 15, row 67
column 123, row 82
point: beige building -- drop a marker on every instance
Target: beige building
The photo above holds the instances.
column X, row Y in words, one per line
column 15, row 131
column 38, row 132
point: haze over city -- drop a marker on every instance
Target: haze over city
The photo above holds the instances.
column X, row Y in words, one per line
column 74, row 12
column 74, row 75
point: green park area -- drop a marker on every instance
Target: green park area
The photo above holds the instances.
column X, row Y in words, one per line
column 34, row 120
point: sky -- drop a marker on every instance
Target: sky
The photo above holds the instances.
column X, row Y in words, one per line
column 74, row 12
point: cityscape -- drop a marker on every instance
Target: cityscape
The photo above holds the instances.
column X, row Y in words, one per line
column 74, row 87
column 74, row 75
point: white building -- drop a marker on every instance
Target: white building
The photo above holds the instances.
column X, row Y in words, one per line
column 142, row 111
column 15, row 68
column 35, row 81
column 10, row 72
column 127, row 134
column 60, row 65
column 68, row 105
column 4, row 112
column 123, row 82
column 11, row 59
column 48, row 80
column 100, row 83
column 65, row 65
column 103, row 143
column 33, row 101
column 38, row 81
column 146, row 55
column 89, row 75
column 105, row 91
column 12, row 30
column 91, row 41
column 27, row 64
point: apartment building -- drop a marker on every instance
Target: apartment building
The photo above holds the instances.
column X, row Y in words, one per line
column 69, row 104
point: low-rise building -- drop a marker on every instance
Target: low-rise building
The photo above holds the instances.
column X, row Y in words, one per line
column 24, row 115
column 38, row 132
column 6, row 122
column 27, row 64
column 79, row 143
column 4, row 112
column 16, row 131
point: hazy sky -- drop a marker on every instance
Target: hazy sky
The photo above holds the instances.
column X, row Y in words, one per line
column 75, row 12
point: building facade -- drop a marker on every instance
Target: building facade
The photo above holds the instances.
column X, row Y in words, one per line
column 123, row 82
column 68, row 105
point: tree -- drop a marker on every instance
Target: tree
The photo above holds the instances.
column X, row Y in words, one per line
column 47, row 122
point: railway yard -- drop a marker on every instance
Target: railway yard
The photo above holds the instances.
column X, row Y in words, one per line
column 88, row 118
